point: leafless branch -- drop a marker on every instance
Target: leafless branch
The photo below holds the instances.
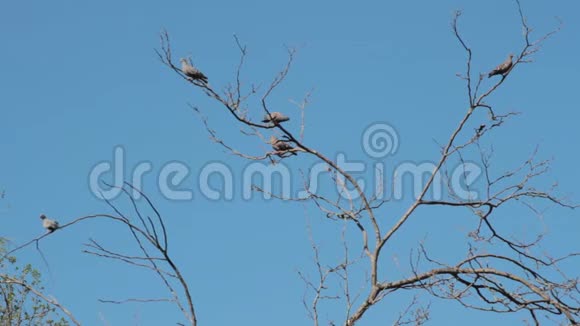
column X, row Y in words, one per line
column 478, row 282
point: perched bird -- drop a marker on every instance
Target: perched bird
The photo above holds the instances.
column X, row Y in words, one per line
column 503, row 68
column 281, row 146
column 48, row 224
column 192, row 72
column 275, row 118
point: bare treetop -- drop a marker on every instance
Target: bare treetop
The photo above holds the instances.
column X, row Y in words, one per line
column 513, row 277
column 496, row 272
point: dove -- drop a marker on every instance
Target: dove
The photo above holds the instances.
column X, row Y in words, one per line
column 281, row 146
column 48, row 224
column 275, row 118
column 503, row 68
column 192, row 72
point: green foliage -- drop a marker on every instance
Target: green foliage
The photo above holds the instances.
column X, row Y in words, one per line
column 18, row 304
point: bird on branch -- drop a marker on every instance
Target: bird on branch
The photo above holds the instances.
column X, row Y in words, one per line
column 503, row 68
column 48, row 224
column 191, row 72
column 275, row 118
column 281, row 146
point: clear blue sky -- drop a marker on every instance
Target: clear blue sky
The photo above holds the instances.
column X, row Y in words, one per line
column 78, row 79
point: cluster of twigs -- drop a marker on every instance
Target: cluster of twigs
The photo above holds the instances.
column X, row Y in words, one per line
column 528, row 284
column 152, row 241
column 511, row 277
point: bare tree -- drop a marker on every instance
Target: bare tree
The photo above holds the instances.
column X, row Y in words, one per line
column 150, row 238
column 498, row 273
